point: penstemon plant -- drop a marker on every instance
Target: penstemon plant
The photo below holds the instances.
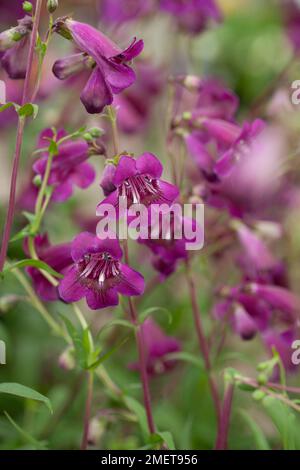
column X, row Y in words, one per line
column 169, row 145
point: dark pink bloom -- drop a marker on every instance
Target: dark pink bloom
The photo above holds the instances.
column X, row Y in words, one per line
column 98, row 274
column 157, row 348
column 139, row 180
column 106, row 182
column 282, row 343
column 110, row 73
column 56, row 256
column 120, row 11
column 192, row 16
column 68, row 168
column 15, row 45
column 168, row 250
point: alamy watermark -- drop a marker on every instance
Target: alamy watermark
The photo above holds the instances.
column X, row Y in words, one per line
column 156, row 222
column 296, row 354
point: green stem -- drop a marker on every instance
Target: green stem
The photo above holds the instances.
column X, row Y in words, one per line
column 113, row 120
column 87, row 414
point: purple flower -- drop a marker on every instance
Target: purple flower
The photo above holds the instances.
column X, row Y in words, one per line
column 157, row 347
column 282, row 342
column 15, row 45
column 192, row 16
column 98, row 274
column 110, row 73
column 68, row 168
column 139, row 181
column 106, row 182
column 120, row 11
column 56, row 256
column 166, row 248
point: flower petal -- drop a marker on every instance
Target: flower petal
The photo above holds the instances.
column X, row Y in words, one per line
column 101, row 299
column 148, row 164
column 92, row 41
column 119, row 76
column 70, row 65
column 126, row 168
column 62, row 192
column 133, row 50
column 96, row 93
column 132, row 282
column 70, row 289
column 86, row 242
column 84, row 175
column 170, row 191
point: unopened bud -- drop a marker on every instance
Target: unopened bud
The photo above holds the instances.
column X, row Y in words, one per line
column 27, row 6
column 52, row 5
column 66, row 360
column 96, row 132
column 37, row 181
column 9, row 37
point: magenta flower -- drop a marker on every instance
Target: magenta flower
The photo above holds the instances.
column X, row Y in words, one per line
column 110, row 73
column 157, row 347
column 192, row 16
column 98, row 274
column 15, row 44
column 167, row 250
column 56, row 256
column 68, row 168
column 120, row 11
column 139, row 181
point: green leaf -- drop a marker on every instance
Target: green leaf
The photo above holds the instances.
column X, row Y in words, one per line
column 139, row 411
column 259, row 437
column 29, row 109
column 53, row 148
column 35, row 444
column 106, row 355
column 25, row 392
column 36, row 263
column 285, row 422
column 167, row 437
column 9, row 105
column 150, row 311
column 81, row 354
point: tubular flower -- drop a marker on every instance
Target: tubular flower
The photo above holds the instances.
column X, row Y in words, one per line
column 157, row 347
column 15, row 44
column 56, row 256
column 110, row 73
column 139, row 181
column 98, row 274
column 69, row 166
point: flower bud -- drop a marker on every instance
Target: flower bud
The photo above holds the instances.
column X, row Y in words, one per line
column 37, row 181
column 66, row 360
column 52, row 5
column 27, row 6
column 96, row 132
column 10, row 37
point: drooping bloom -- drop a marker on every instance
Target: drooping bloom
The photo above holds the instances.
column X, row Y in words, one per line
column 139, row 181
column 15, row 44
column 98, row 274
column 170, row 247
column 110, row 73
column 120, row 11
column 56, row 256
column 192, row 16
column 68, row 168
column 157, row 347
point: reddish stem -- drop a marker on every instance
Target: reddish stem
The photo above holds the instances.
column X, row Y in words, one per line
column 87, row 414
column 19, row 139
column 222, row 439
column 203, row 344
column 142, row 367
